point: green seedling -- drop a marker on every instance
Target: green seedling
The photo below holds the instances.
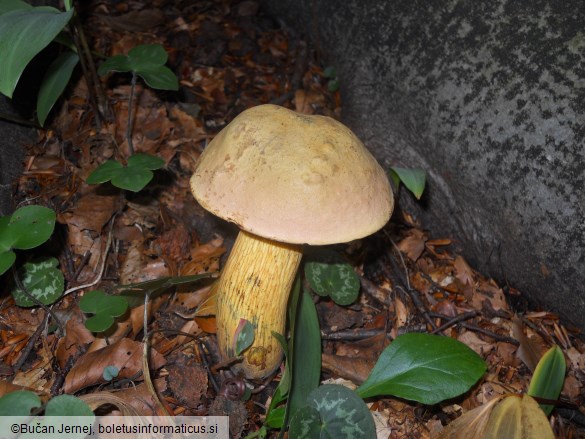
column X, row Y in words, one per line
column 42, row 280
column 133, row 177
column 244, row 336
column 424, row 368
column 413, row 179
column 337, row 280
column 333, row 81
column 110, row 372
column 26, row 228
column 549, row 377
column 104, row 308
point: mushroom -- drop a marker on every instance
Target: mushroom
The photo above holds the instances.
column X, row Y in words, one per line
column 286, row 179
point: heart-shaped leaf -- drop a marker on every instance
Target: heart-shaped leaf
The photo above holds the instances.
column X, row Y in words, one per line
column 42, row 280
column 110, row 372
column 333, row 411
column 424, row 368
column 27, row 227
column 337, row 280
column 104, row 307
column 159, row 78
column 19, row 403
column 147, row 56
column 133, row 177
column 68, row 405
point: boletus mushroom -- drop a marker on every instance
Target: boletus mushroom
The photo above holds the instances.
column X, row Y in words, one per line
column 286, row 179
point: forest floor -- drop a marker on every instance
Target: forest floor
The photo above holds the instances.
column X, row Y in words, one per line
column 229, row 57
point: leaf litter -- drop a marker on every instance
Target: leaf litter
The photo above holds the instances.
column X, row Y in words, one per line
column 229, row 56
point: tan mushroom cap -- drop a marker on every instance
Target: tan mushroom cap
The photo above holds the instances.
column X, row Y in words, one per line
column 293, row 178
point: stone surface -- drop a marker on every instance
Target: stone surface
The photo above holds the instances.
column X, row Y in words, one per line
column 489, row 98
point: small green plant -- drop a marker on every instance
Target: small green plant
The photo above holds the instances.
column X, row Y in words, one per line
column 25, row 403
column 42, row 281
column 28, row 227
column 333, row 81
column 110, row 372
column 133, row 177
column 549, row 377
column 105, row 309
column 413, row 179
column 338, row 280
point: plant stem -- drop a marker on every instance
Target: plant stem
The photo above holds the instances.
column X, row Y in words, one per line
column 130, row 115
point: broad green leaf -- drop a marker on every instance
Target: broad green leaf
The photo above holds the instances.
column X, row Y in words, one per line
column 333, row 411
column 117, row 63
column 549, row 377
column 244, row 336
column 275, row 418
column 146, row 56
column 42, row 280
column 145, row 161
column 67, row 405
column 23, row 34
column 424, row 368
column 133, row 177
column 13, row 5
column 19, row 403
column 413, row 179
column 337, row 280
column 28, row 227
column 159, row 78
column 105, row 308
column 54, row 82
column 7, row 258
column 104, row 172
column 306, row 354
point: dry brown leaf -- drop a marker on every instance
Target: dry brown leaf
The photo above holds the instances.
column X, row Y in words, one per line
column 126, row 355
column 135, row 21
column 413, row 245
column 528, row 351
column 91, row 211
column 77, row 336
column 354, row 369
column 477, row 344
column 463, row 271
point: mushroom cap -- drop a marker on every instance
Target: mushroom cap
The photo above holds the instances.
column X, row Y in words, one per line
column 293, row 178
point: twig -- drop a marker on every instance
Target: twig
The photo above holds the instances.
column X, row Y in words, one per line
column 102, row 268
column 455, row 320
column 352, row 334
column 82, row 264
column 29, row 346
column 130, row 124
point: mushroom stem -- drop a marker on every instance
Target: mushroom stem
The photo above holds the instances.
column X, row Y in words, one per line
column 255, row 285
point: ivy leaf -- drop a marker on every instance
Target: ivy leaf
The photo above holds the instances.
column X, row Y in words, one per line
column 42, row 280
column 333, row 411
column 424, row 368
column 104, row 307
column 337, row 280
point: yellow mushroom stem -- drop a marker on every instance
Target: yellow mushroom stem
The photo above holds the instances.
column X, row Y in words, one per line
column 255, row 285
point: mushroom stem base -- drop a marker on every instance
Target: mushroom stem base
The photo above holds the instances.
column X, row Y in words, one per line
column 255, row 285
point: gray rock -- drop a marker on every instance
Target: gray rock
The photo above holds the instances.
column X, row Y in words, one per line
column 488, row 98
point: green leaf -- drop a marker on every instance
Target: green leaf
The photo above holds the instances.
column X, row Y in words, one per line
column 244, row 336
column 54, row 82
column 13, row 5
column 42, row 280
column 145, row 161
column 337, row 280
column 133, row 177
column 23, row 34
column 306, row 354
column 7, row 258
column 549, row 376
column 333, row 411
column 27, row 227
column 110, row 372
column 104, row 307
column 67, row 405
column 117, row 63
column 19, row 403
column 159, row 78
column 424, row 368
column 413, row 179
column 146, row 56
column 330, row 72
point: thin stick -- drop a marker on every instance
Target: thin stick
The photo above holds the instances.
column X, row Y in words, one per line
column 130, row 124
